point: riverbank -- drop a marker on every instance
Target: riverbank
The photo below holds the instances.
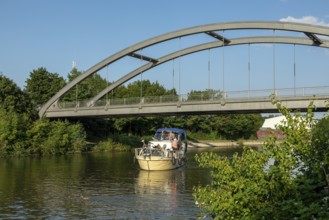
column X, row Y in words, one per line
column 226, row 143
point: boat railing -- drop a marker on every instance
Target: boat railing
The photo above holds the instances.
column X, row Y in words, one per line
column 149, row 152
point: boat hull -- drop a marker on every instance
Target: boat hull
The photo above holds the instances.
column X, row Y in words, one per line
column 159, row 163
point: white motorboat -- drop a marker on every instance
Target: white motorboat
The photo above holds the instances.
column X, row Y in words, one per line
column 166, row 151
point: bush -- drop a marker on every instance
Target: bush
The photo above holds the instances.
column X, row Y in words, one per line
column 56, row 137
column 110, row 145
column 13, row 128
column 283, row 180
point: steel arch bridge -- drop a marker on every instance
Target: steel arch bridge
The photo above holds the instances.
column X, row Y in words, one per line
column 310, row 33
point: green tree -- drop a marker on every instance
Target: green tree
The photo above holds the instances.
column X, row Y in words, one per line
column 42, row 85
column 13, row 127
column 235, row 126
column 238, row 189
column 174, row 121
column 19, row 135
column 320, row 153
column 145, row 87
column 196, row 123
column 251, row 187
column 135, row 125
column 56, row 137
column 12, row 98
column 206, row 95
column 86, row 89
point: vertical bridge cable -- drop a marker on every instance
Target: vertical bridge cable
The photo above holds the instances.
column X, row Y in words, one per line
column 173, row 76
column 248, row 69
column 208, row 69
column 294, row 69
column 179, row 69
column 223, row 63
column 274, row 64
column 141, row 74
column 107, row 79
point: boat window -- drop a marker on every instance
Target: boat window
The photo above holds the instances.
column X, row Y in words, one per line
column 164, row 136
column 157, row 136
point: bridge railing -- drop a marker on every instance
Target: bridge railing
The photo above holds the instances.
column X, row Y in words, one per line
column 202, row 97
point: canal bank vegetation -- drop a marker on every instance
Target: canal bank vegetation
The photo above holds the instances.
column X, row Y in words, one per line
column 282, row 180
column 23, row 133
column 117, row 143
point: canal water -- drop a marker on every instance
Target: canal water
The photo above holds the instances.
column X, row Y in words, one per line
column 98, row 186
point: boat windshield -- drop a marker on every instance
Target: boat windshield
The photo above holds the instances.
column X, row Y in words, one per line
column 169, row 135
column 158, row 136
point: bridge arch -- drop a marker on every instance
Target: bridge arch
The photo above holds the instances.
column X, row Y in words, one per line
column 311, row 39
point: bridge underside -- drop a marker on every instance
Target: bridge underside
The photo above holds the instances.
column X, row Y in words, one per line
column 263, row 105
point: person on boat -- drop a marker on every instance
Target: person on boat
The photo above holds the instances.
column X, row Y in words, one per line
column 144, row 144
column 179, row 141
column 171, row 136
column 175, row 144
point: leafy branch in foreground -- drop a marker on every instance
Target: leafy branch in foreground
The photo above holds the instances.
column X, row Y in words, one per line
column 282, row 180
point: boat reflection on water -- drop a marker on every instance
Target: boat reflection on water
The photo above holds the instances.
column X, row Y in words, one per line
column 164, row 192
column 164, row 182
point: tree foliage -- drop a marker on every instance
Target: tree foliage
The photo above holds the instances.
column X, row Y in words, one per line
column 56, row 137
column 12, row 98
column 282, row 180
column 320, row 140
column 86, row 89
column 144, row 88
column 237, row 189
column 206, row 95
column 13, row 128
column 235, row 126
column 42, row 85
column 21, row 133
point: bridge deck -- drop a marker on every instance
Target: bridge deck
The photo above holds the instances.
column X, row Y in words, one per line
column 206, row 103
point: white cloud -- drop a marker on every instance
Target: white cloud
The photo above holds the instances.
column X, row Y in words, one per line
column 305, row 20
column 308, row 20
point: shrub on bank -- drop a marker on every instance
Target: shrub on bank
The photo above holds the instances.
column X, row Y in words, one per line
column 110, row 145
column 56, row 137
column 13, row 127
column 199, row 135
column 20, row 137
column 285, row 179
column 118, row 143
column 129, row 141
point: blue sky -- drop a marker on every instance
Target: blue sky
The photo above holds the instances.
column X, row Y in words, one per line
column 53, row 33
